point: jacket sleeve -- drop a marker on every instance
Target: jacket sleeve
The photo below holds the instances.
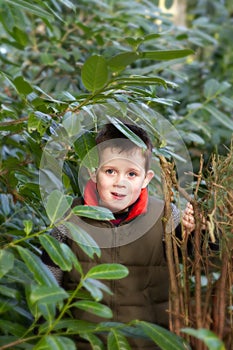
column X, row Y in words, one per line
column 174, row 220
column 60, row 233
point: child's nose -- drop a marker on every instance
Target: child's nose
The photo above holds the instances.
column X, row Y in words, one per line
column 120, row 181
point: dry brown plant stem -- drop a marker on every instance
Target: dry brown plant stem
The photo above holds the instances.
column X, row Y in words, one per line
column 180, row 312
column 174, row 305
column 206, row 305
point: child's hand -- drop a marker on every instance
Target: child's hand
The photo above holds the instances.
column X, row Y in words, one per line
column 188, row 219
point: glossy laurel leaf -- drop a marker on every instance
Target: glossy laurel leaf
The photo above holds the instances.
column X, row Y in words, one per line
column 94, row 73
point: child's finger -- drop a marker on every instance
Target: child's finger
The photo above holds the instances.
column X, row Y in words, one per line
column 188, row 218
column 189, row 208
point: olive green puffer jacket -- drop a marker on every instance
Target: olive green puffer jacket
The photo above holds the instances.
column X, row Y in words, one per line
column 138, row 244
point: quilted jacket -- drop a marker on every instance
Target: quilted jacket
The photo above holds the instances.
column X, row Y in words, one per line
column 136, row 243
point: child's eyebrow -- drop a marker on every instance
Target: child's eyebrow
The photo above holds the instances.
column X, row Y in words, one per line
column 136, row 168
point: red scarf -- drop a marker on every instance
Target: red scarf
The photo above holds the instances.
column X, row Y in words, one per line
column 138, row 208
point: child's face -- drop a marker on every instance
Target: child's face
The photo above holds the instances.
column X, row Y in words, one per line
column 120, row 177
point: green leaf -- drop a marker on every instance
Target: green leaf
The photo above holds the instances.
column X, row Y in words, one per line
column 9, row 292
column 77, row 326
column 20, row 36
column 122, row 60
column 28, row 224
column 95, row 288
column 85, row 147
column 127, row 132
column 213, row 88
column 72, row 257
column 47, row 295
column 200, row 125
column 126, row 330
column 117, row 341
column 71, row 171
column 165, row 339
column 38, row 121
column 56, row 252
column 220, row 116
column 47, row 58
column 36, row 10
column 108, row 271
column 95, row 73
column 20, row 273
column 228, row 102
column 138, row 80
column 191, row 136
column 134, row 42
column 83, row 239
column 68, row 4
column 22, row 86
column 46, row 96
column 34, row 99
column 207, row 336
column 50, row 175
column 166, row 54
column 98, row 284
column 151, row 36
column 30, row 191
column 57, row 205
column 93, row 212
column 194, row 106
column 95, row 342
column 11, row 327
column 40, row 271
column 6, row 262
column 72, row 124
column 95, row 292
column 54, row 342
column 5, row 204
column 47, row 311
column 94, row 308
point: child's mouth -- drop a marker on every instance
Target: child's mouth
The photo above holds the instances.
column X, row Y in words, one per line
column 118, row 195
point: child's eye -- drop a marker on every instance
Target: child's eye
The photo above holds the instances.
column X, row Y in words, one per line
column 132, row 174
column 109, row 171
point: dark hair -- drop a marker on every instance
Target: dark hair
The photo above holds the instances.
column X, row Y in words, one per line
column 111, row 133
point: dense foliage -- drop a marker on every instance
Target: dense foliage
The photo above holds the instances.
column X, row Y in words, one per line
column 66, row 66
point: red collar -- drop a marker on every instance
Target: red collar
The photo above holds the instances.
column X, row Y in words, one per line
column 138, row 208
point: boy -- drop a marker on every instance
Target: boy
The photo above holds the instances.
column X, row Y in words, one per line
column 134, row 238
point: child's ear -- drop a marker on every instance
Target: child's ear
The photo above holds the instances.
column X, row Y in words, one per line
column 149, row 176
column 92, row 174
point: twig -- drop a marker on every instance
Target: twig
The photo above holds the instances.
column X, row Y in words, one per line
column 174, row 291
